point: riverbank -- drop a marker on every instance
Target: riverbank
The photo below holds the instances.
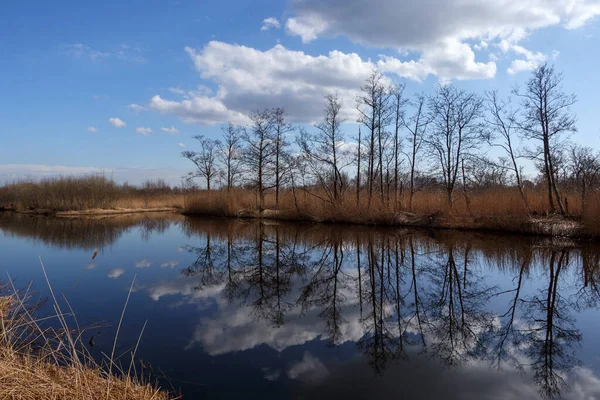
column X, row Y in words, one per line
column 499, row 211
column 40, row 363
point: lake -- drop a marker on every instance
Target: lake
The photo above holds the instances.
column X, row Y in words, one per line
column 269, row 310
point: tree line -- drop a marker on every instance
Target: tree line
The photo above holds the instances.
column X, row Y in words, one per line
column 407, row 144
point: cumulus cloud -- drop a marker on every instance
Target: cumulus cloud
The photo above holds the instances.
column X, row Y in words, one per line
column 143, row 131
column 248, row 79
column 439, row 31
column 115, row 272
column 199, row 110
column 417, row 24
column 172, row 130
column 270, row 23
column 181, row 145
column 117, row 122
column 92, row 129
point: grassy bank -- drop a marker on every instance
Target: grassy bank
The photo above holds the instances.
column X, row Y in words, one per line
column 77, row 193
column 38, row 362
column 493, row 209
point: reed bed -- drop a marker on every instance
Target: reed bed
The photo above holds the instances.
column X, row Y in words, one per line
column 498, row 209
column 75, row 193
column 39, row 361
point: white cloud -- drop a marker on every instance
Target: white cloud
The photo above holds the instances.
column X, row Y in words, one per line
column 117, row 122
column 417, row 23
column 308, row 27
column 269, row 23
column 439, row 31
column 136, row 108
column 177, row 90
column 181, row 145
column 172, row 130
column 115, row 273
column 92, row 129
column 530, row 61
column 143, row 131
column 250, row 79
column 143, row 264
column 199, row 110
column 81, row 51
column 450, row 59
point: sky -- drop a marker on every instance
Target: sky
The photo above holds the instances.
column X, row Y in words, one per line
column 122, row 86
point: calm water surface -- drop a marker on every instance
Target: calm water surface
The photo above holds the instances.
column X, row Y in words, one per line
column 243, row 309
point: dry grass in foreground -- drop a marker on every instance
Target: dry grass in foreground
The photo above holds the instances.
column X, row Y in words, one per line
column 37, row 362
column 499, row 209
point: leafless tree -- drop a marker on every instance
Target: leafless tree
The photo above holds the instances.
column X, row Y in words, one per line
column 586, row 170
column 501, row 118
column 325, row 148
column 416, row 125
column 280, row 128
column 205, row 160
column 259, row 152
column 231, row 151
column 398, row 104
column 456, row 132
column 547, row 117
column 367, row 105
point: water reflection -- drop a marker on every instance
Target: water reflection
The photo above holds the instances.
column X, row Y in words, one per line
column 405, row 294
column 316, row 306
column 84, row 233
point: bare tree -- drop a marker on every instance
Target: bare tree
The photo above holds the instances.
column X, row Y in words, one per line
column 280, row 128
column 546, row 117
column 259, row 152
column 416, row 125
column 586, row 170
column 231, row 152
column 367, row 105
column 205, row 159
column 456, row 132
column 399, row 102
column 325, row 148
column 501, row 119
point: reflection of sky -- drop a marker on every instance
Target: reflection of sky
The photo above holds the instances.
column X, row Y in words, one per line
column 199, row 336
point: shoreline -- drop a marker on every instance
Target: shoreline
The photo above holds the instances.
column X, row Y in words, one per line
column 92, row 212
column 550, row 226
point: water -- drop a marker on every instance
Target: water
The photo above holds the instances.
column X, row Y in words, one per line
column 243, row 309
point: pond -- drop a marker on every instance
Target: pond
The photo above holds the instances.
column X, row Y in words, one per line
column 268, row 310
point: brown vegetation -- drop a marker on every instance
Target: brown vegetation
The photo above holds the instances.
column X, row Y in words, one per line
column 499, row 209
column 73, row 193
column 38, row 362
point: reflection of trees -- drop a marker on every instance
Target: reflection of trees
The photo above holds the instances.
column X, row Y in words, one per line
column 458, row 323
column 87, row 233
column 325, row 288
column 551, row 335
column 414, row 292
column 204, row 268
column 546, row 337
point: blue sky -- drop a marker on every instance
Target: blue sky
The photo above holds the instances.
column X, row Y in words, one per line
column 68, row 67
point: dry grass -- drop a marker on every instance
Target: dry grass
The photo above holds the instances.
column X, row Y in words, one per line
column 72, row 193
column 499, row 209
column 38, row 362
